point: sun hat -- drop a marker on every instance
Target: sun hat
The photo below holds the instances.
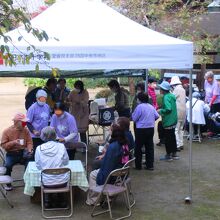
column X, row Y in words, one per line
column 41, row 93
column 19, row 117
column 175, row 80
column 165, row 86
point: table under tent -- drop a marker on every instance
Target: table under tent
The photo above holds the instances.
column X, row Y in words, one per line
column 90, row 39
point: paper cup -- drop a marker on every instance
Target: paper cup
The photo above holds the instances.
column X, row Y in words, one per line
column 101, row 148
column 21, row 141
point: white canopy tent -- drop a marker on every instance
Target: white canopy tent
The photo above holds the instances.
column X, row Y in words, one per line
column 92, row 35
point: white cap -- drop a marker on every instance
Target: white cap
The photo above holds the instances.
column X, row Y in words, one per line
column 175, row 80
column 41, row 93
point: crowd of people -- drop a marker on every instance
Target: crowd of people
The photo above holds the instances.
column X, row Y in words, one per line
column 56, row 118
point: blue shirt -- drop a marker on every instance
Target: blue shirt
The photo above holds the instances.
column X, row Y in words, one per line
column 111, row 161
column 145, row 116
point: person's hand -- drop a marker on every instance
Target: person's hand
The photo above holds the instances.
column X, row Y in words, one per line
column 100, row 157
column 61, row 140
column 17, row 142
column 36, row 133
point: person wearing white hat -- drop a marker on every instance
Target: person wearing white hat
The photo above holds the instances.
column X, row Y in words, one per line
column 38, row 116
column 168, row 113
column 180, row 95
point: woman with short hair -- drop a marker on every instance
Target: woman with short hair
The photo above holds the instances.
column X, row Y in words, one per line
column 78, row 100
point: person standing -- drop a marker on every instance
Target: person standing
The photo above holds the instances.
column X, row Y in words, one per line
column 212, row 92
column 144, row 117
column 180, row 95
column 152, row 84
column 121, row 98
column 78, row 100
column 62, row 92
column 169, row 121
column 38, row 116
column 65, row 126
column 15, row 140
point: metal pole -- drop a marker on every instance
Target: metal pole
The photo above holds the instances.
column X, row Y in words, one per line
column 146, row 80
column 188, row 199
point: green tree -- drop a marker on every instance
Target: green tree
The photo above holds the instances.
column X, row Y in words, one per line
column 11, row 18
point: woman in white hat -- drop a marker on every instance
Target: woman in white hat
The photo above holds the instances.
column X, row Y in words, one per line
column 38, row 116
column 180, row 95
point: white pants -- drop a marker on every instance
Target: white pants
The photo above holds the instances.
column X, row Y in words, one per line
column 179, row 133
column 92, row 196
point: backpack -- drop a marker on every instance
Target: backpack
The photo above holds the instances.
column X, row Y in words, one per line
column 125, row 154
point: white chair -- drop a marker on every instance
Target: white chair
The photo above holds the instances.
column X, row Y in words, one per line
column 53, row 189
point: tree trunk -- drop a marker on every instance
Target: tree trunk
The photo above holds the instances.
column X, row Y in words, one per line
column 200, row 77
column 131, row 86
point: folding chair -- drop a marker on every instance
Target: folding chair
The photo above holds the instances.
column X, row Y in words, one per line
column 50, row 190
column 128, row 182
column 113, row 190
column 5, row 180
column 82, row 149
column 3, row 169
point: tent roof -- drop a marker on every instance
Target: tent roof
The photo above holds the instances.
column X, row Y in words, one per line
column 92, row 35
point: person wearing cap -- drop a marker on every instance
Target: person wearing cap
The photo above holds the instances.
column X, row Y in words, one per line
column 144, row 117
column 14, row 140
column 168, row 113
column 52, row 154
column 66, row 129
column 180, row 95
column 38, row 116
column 152, row 84
column 212, row 92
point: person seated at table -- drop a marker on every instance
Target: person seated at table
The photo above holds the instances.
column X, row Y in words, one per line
column 113, row 159
column 66, row 129
column 124, row 123
column 16, row 140
column 52, row 154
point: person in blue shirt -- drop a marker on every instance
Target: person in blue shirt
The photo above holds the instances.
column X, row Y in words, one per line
column 111, row 161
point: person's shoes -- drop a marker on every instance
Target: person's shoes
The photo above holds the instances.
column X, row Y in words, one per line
column 160, row 143
column 8, row 187
column 149, row 168
column 166, row 158
column 175, row 156
column 179, row 148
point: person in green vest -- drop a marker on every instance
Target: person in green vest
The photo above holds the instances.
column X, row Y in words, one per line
column 168, row 113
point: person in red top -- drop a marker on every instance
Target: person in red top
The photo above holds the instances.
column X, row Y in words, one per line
column 152, row 84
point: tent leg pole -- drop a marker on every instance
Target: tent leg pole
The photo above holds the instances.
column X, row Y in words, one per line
column 146, row 80
column 188, row 199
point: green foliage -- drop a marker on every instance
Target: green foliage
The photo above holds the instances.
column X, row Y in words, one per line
column 177, row 18
column 11, row 18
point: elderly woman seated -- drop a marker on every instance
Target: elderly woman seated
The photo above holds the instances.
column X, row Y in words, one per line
column 52, row 154
column 124, row 124
column 65, row 127
column 114, row 158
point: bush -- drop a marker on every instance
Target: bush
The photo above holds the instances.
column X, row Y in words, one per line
column 105, row 93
